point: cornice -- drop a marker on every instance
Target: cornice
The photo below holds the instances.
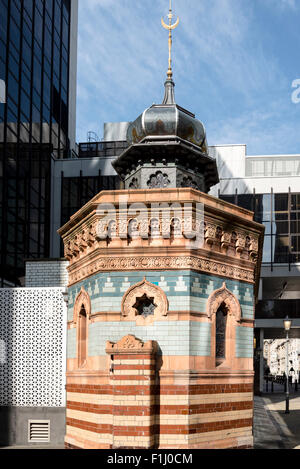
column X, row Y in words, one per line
column 142, row 263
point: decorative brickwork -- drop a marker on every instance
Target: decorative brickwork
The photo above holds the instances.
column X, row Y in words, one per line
column 152, row 377
column 224, row 297
column 152, row 415
column 133, row 363
column 82, row 299
column 226, row 301
column 128, row 306
column 236, row 246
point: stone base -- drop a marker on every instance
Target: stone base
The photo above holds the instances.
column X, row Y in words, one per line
column 186, row 411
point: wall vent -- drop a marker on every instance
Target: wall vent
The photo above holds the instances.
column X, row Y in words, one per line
column 38, row 431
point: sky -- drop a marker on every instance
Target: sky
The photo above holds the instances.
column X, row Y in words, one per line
column 234, row 64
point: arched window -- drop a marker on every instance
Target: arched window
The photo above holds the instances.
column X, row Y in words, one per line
column 221, row 320
column 82, row 312
column 224, row 311
column 82, row 336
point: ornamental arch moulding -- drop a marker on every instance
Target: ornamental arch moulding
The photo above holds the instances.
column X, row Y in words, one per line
column 82, row 299
column 223, row 304
column 224, row 297
column 144, row 303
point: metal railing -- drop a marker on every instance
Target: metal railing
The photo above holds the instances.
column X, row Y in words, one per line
column 101, row 149
column 272, row 380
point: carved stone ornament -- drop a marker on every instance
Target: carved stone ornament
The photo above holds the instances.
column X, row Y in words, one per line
column 82, row 299
column 176, row 229
column 225, row 297
column 188, row 181
column 154, row 227
column 101, row 229
column 254, row 250
column 81, row 241
column 210, row 233
column 76, row 274
column 131, row 299
column 130, row 344
column 145, row 306
column 133, row 229
column 68, row 251
column 112, row 229
column 241, row 241
column 158, row 180
column 134, row 184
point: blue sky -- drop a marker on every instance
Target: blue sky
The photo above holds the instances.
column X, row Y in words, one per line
column 234, row 62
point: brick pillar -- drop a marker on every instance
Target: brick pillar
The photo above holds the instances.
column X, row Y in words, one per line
column 132, row 381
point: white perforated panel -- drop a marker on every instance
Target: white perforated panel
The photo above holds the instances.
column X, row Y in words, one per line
column 32, row 347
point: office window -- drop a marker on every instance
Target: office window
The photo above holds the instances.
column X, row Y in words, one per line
column 280, row 214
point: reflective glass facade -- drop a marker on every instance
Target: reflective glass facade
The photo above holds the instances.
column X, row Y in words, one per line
column 77, row 191
column 101, row 149
column 34, row 63
column 280, row 213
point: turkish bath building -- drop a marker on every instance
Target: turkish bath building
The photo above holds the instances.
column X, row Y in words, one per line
column 163, row 281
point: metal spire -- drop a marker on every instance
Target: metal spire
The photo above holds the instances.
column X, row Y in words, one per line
column 169, row 27
column 169, row 97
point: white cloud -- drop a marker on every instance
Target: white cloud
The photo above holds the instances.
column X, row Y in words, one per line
column 264, row 130
column 218, row 55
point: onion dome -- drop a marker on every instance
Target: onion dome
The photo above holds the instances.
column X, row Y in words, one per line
column 168, row 119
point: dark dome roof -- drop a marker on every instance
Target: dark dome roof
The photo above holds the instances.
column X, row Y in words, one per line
column 168, row 119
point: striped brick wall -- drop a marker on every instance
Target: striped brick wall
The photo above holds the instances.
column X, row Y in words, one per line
column 140, row 407
column 205, row 415
column 89, row 416
column 132, row 378
column 167, row 416
column 122, row 414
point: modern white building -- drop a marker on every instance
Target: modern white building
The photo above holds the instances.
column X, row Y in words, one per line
column 275, row 356
column 270, row 186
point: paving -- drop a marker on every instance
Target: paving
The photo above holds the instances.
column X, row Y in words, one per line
column 273, row 428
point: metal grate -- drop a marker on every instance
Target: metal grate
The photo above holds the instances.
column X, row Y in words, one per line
column 38, row 431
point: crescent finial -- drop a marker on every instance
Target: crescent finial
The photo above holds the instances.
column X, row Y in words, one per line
column 170, row 27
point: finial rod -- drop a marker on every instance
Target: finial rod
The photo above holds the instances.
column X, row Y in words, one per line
column 169, row 27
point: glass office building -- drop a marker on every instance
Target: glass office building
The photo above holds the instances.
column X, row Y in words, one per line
column 280, row 214
column 38, row 42
column 268, row 185
column 77, row 191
